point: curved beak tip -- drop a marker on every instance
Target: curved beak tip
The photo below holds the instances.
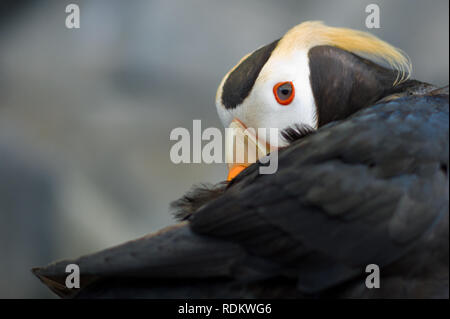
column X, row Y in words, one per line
column 234, row 171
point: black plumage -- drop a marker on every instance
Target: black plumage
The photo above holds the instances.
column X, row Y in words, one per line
column 370, row 189
column 240, row 81
column 343, row 82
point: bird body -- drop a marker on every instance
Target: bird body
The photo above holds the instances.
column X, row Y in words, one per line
column 366, row 184
column 345, row 197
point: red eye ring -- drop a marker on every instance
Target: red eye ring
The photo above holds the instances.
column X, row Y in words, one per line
column 287, row 99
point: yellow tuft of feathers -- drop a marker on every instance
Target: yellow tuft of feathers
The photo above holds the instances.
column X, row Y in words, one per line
column 314, row 33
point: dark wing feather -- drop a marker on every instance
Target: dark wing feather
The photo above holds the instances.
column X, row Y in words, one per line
column 360, row 192
column 174, row 252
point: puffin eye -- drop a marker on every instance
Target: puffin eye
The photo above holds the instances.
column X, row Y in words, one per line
column 284, row 92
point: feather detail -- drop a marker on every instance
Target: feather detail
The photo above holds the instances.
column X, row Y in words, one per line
column 296, row 132
column 314, row 33
column 195, row 198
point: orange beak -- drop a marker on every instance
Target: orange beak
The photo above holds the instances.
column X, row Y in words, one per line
column 242, row 148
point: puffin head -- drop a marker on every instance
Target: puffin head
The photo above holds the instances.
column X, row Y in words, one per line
column 313, row 75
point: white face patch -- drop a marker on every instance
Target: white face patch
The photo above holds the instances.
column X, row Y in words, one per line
column 261, row 110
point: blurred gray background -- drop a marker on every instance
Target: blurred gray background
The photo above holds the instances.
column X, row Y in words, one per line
column 85, row 114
